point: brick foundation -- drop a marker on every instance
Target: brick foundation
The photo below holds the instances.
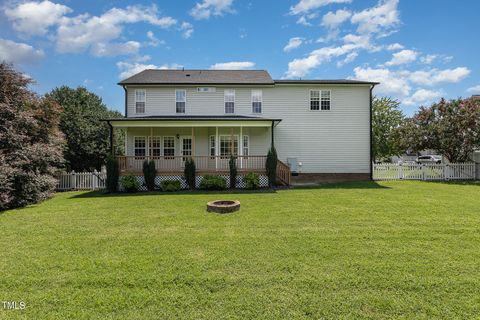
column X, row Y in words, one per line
column 317, row 178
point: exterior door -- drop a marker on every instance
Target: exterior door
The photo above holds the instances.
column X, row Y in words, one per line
column 186, row 147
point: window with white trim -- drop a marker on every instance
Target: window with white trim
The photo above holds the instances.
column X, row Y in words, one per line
column 246, row 145
column 226, row 146
column 229, row 101
column 212, row 146
column 156, row 146
column 256, row 101
column 168, row 146
column 140, row 98
column 320, row 100
column 139, row 146
column 180, row 101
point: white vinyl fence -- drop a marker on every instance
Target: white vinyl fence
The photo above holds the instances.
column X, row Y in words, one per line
column 450, row 171
column 81, row 181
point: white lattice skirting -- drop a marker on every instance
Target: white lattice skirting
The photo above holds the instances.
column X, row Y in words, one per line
column 158, row 179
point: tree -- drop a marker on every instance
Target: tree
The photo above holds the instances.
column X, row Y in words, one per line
column 189, row 173
column 233, row 171
column 30, row 141
column 271, row 166
column 451, row 128
column 113, row 174
column 387, row 119
column 88, row 142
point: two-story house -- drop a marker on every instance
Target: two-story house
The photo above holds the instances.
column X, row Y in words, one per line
column 320, row 128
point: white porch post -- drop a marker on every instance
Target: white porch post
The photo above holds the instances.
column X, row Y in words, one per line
column 240, row 147
column 217, row 146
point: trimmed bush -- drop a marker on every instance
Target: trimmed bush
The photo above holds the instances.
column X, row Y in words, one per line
column 233, row 171
column 251, row 180
column 170, row 185
column 213, row 183
column 149, row 173
column 112, row 174
column 130, row 184
column 189, row 173
column 271, row 167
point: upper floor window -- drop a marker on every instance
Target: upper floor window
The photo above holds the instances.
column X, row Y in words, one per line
column 256, row 101
column 320, row 100
column 140, row 101
column 180, row 100
column 229, row 101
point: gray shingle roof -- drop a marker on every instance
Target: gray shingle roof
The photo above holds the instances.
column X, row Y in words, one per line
column 153, row 76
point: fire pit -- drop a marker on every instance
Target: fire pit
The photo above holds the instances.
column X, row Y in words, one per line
column 223, row 206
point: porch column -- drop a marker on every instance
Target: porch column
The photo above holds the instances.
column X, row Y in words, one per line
column 193, row 142
column 231, row 141
column 217, row 147
column 240, row 147
column 111, row 138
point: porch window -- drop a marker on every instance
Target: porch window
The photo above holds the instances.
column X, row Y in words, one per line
column 320, row 100
column 256, row 101
column 168, row 146
column 246, row 145
column 156, row 146
column 140, row 146
column 186, row 148
column 140, row 101
column 229, row 101
column 226, row 146
column 180, row 101
column 212, row 146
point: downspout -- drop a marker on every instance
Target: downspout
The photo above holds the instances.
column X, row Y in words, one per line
column 371, row 131
column 273, row 138
column 111, row 137
column 126, row 110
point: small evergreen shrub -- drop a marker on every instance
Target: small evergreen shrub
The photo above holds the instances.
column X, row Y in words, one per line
column 112, row 174
column 189, row 173
column 149, row 173
column 213, row 183
column 130, row 184
column 271, row 166
column 170, row 185
column 251, row 180
column 233, row 171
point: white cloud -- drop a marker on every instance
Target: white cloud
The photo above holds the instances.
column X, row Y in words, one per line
column 207, row 8
column 474, row 89
column 390, row 82
column 303, row 21
column 115, row 49
column 348, row 59
column 423, row 96
column 129, row 69
column 402, row 57
column 293, row 43
column 154, row 42
column 394, row 46
column 19, row 53
column 429, row 58
column 34, row 18
column 304, row 6
column 332, row 20
column 377, row 19
column 234, row 65
column 187, row 29
column 435, row 76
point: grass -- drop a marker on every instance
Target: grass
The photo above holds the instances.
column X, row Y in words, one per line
column 398, row 249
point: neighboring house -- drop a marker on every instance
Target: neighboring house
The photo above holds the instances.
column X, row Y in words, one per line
column 320, row 128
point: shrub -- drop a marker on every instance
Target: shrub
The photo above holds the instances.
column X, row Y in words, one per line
column 170, row 185
column 271, row 166
column 130, row 184
column 233, row 171
column 189, row 173
column 112, row 174
column 149, row 173
column 213, row 183
column 251, row 180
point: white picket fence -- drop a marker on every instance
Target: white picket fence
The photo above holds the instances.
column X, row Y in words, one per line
column 81, row 181
column 450, row 171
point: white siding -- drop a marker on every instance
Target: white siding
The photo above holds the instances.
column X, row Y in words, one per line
column 335, row 141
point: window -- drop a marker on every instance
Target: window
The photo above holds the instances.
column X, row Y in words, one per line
column 246, row 145
column 180, row 101
column 140, row 146
column 256, row 101
column 229, row 101
column 320, row 100
column 206, row 89
column 156, row 147
column 226, row 146
column 168, row 146
column 140, row 101
column 212, row 146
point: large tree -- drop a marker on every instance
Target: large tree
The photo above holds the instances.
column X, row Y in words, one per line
column 451, row 128
column 87, row 136
column 387, row 118
column 30, row 141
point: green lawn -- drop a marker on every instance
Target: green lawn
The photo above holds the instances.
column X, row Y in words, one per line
column 398, row 249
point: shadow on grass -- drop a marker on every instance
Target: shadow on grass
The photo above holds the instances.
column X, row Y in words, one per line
column 345, row 185
column 457, row 182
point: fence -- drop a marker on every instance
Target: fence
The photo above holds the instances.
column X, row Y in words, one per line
column 451, row 171
column 81, row 181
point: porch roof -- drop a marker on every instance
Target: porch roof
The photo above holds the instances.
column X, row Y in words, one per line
column 193, row 121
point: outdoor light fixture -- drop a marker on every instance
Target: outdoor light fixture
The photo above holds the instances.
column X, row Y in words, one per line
column 178, row 136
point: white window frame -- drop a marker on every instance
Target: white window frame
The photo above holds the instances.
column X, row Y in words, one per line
column 137, row 91
column 212, row 146
column 320, row 91
column 235, row 137
column 151, row 148
column 225, row 101
column 181, row 147
column 163, row 146
column 245, row 138
column 261, row 101
column 185, row 106
column 145, row 141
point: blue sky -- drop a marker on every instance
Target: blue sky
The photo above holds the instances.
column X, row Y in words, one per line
column 419, row 50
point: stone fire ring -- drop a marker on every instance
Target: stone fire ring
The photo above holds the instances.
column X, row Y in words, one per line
column 223, row 206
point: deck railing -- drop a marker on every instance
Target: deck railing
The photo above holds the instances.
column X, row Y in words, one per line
column 132, row 164
column 283, row 173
